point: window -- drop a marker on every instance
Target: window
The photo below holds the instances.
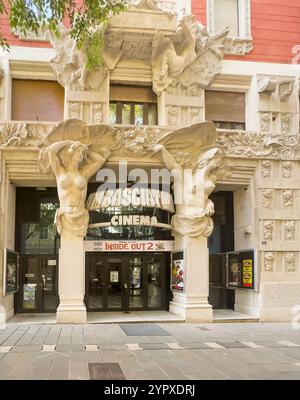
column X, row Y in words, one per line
column 37, row 100
column 232, row 13
column 225, row 109
column 130, row 105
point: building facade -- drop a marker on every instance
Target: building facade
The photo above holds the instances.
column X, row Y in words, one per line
column 88, row 222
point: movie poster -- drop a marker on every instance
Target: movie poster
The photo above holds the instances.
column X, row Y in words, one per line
column 178, row 271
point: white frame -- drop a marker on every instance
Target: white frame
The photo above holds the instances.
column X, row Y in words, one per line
column 244, row 18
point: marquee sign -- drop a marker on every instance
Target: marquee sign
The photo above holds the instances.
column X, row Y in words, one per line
column 130, row 197
column 128, row 245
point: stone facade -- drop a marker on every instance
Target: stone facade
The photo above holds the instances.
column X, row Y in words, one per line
column 179, row 61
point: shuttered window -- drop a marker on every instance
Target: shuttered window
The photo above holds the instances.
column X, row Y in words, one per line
column 226, row 13
column 37, row 100
column 225, row 109
column 132, row 105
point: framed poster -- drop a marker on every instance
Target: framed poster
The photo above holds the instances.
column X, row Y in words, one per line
column 241, row 272
column 178, row 270
column 10, row 272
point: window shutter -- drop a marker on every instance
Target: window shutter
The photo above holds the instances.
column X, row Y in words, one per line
column 135, row 94
column 36, row 100
column 224, row 106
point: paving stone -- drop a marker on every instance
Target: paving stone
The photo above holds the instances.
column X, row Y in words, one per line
column 143, row 330
column 233, row 345
column 78, row 366
column 22, row 349
column 70, row 347
column 154, row 346
column 41, row 367
column 5, row 349
column 91, row 347
column 134, row 346
column 59, row 369
column 174, row 346
column 195, row 345
column 48, row 347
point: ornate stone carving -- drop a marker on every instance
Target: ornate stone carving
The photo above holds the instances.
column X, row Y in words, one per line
column 238, row 46
column 268, row 261
column 285, row 89
column 97, row 113
column 245, row 144
column 195, row 115
column 13, row 134
column 193, row 206
column 74, row 153
column 265, row 121
column 288, row 198
column 139, row 140
column 268, row 230
column 266, row 168
column 172, row 115
column 69, row 64
column 289, row 230
column 286, row 169
column 74, row 109
column 290, row 262
column 286, row 119
column 267, row 197
column 267, row 84
column 192, row 56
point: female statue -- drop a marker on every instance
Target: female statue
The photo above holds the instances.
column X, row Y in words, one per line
column 72, row 170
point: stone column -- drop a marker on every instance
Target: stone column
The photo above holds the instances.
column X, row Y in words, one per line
column 71, row 281
column 193, row 304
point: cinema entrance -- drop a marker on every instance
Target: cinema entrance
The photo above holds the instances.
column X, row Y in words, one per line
column 127, row 281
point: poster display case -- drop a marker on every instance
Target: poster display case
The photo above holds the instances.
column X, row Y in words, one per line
column 241, row 269
column 10, row 272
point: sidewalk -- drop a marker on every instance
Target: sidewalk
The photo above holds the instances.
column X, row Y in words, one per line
column 150, row 351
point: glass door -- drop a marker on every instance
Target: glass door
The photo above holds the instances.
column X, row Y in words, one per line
column 136, row 284
column 38, row 284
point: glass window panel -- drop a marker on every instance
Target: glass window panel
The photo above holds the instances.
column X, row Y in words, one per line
column 138, row 114
column 112, row 113
column 152, row 114
column 96, row 283
column 114, row 282
column 226, row 14
column 154, row 283
column 136, row 282
column 126, row 114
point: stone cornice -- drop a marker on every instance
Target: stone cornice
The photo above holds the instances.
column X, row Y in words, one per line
column 236, row 144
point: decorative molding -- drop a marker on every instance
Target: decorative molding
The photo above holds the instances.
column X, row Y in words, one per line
column 266, row 166
column 286, row 121
column 41, row 36
column 265, row 119
column 268, row 227
column 286, row 169
column 268, row 261
column 288, row 198
column 74, row 110
column 289, row 230
column 285, row 88
column 257, row 145
column 267, row 198
column 238, row 46
column 22, row 133
column 290, row 262
column 172, row 115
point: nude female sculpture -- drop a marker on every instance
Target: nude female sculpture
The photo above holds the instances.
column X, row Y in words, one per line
column 73, row 171
column 193, row 206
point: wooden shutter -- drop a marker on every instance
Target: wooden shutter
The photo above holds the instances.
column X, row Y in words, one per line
column 224, row 106
column 35, row 100
column 134, row 94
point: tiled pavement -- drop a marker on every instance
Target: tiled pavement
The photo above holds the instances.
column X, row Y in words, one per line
column 150, row 351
